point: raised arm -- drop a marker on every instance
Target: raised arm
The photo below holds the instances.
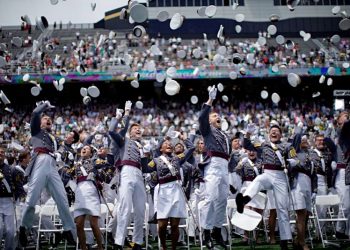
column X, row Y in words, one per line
column 204, row 125
column 36, row 115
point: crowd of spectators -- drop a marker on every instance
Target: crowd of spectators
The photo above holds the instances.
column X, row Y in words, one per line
column 99, row 50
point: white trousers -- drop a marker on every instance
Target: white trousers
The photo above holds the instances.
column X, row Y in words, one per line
column 344, row 194
column 131, row 194
column 321, row 190
column 45, row 175
column 213, row 212
column 7, row 222
column 274, row 180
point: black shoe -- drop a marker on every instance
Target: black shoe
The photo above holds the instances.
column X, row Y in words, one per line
column 110, row 238
column 341, row 236
column 136, row 247
column 117, row 247
column 153, row 220
column 218, row 237
column 181, row 244
column 208, row 242
column 239, row 203
column 23, row 236
column 58, row 238
column 68, row 236
column 284, row 244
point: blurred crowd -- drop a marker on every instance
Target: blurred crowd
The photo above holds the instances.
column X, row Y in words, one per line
column 100, row 50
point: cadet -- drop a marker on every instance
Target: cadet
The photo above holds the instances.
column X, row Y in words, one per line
column 42, row 173
column 215, row 172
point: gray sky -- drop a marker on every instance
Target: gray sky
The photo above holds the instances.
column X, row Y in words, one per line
column 76, row 11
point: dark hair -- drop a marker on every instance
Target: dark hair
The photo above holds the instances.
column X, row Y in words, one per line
column 76, row 136
column 134, row 125
column 23, row 155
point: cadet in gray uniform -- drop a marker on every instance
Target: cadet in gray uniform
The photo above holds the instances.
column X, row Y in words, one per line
column 131, row 192
column 42, row 173
column 11, row 189
column 273, row 155
column 215, row 172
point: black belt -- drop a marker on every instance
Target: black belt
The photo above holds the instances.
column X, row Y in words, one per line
column 167, row 179
column 219, row 154
column 131, row 163
column 273, row 167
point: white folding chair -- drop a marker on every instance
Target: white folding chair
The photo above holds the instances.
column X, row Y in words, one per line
column 231, row 206
column 328, row 201
column 50, row 211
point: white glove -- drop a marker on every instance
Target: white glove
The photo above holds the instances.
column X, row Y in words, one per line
column 128, row 105
column 195, row 126
column 332, row 190
column 147, row 148
column 148, row 177
column 212, row 92
column 292, row 162
column 334, row 165
column 197, row 192
column 119, row 114
column 70, row 156
column 300, row 125
column 49, row 106
column 313, row 197
column 27, row 126
column 330, row 125
column 172, row 133
column 251, row 128
column 58, row 157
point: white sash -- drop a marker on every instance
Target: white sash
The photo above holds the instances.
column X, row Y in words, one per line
column 53, row 141
column 253, row 166
column 227, row 142
column 323, row 164
column 279, row 155
column 140, row 148
column 7, row 186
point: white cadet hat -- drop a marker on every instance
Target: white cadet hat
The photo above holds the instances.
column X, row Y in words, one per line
column 35, row 90
column 135, row 84
column 54, row 2
column 264, row 94
column 42, row 23
column 17, row 41
column 336, row 10
column 238, row 28
column 335, row 39
column 306, row 37
column 322, row 79
column 195, row 71
column 123, row 14
column 274, row 18
column 139, row 31
column 139, row 105
column 233, row 75
column 172, row 87
column 291, row 4
column 210, row 11
column 201, row 11
column 160, row 77
column 220, row 87
column 4, row 98
column 196, row 53
column 331, row 71
column 26, row 77
column 194, row 99
column 272, row 29
column 280, row 39
column 239, row 17
column 329, row 81
column 224, row 98
column 293, row 79
column 344, row 24
column 181, row 54
column 171, row 72
column 83, row 92
column 289, row 44
column 176, row 21
column 63, row 72
column 86, row 100
column 275, row 98
column 261, row 41
column 139, row 13
column 236, row 58
column 163, row 15
column 316, row 94
column 93, row 91
column 275, row 68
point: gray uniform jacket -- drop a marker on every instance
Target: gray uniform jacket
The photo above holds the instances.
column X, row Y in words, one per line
column 215, row 140
column 40, row 137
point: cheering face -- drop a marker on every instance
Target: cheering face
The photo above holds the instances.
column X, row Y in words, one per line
column 200, row 146
column 236, row 144
column 46, row 123
column 135, row 132
column 214, row 119
column 86, row 152
column 179, row 149
column 167, row 147
column 275, row 135
column 304, row 144
column 252, row 155
column 69, row 138
column 319, row 142
column 343, row 118
column 102, row 152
